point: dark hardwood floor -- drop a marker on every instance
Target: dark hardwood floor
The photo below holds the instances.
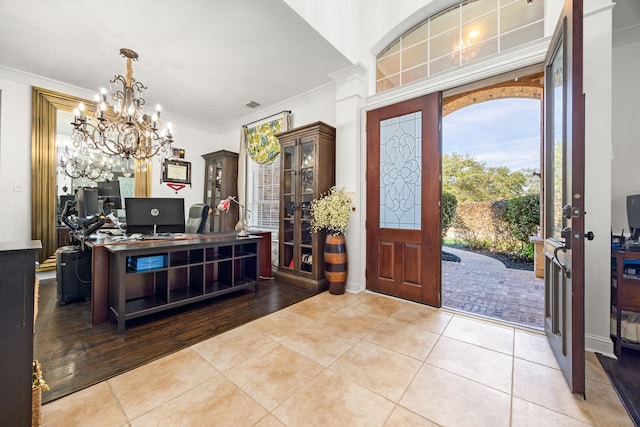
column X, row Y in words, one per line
column 74, row 354
column 624, row 374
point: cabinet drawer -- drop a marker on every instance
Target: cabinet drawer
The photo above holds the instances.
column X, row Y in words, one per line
column 630, row 299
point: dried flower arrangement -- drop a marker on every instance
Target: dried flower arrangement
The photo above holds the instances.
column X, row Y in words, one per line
column 331, row 211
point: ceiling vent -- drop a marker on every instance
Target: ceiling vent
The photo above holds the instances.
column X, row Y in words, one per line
column 252, row 104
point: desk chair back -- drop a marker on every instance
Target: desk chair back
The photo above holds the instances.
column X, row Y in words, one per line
column 198, row 220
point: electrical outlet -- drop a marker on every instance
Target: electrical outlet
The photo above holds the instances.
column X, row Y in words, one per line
column 17, row 188
column 352, row 196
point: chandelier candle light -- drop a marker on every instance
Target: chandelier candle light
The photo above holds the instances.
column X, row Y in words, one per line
column 241, row 226
column 132, row 132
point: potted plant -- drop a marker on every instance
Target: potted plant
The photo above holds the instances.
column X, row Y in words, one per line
column 331, row 213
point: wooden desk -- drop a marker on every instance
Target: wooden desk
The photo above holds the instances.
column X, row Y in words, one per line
column 106, row 252
column 625, row 292
column 100, row 274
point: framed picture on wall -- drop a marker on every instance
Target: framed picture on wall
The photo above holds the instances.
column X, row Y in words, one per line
column 177, row 152
column 177, row 171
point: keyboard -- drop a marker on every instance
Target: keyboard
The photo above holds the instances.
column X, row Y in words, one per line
column 633, row 246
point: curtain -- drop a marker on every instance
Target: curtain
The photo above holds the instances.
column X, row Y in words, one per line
column 142, row 178
column 242, row 175
column 260, row 145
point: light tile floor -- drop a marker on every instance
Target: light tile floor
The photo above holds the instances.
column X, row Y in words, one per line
column 351, row 360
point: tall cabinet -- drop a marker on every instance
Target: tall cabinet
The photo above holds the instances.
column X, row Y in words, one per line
column 220, row 182
column 307, row 169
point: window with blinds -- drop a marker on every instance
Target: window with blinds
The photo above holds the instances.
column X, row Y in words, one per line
column 263, row 195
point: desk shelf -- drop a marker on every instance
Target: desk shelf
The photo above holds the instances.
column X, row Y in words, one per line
column 219, row 253
column 213, row 287
column 181, row 258
column 198, row 269
column 143, row 304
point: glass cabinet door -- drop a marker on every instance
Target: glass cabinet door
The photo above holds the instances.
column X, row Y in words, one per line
column 217, row 195
column 288, row 210
column 307, row 159
column 305, row 196
column 208, row 197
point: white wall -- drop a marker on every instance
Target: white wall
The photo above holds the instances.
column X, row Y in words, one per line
column 196, row 142
column 15, row 151
column 625, row 162
column 597, row 31
column 313, row 106
column 15, row 161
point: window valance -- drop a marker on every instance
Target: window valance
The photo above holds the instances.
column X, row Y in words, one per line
column 262, row 145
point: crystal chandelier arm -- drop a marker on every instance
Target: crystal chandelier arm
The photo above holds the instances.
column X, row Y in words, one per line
column 132, row 133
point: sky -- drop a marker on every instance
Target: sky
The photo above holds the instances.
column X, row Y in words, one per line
column 502, row 132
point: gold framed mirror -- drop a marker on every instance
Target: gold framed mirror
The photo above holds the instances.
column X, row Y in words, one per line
column 45, row 106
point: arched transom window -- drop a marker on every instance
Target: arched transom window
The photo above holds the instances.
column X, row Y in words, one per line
column 469, row 31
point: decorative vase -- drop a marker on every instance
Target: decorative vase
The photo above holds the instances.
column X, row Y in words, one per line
column 336, row 263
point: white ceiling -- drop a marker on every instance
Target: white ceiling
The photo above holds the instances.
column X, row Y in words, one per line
column 200, row 59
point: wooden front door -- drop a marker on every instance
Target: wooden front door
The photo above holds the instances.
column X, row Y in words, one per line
column 403, row 199
column 564, row 196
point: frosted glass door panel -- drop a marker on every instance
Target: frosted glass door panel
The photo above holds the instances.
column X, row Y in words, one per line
column 401, row 172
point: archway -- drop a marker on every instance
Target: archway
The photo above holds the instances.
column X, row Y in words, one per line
column 492, row 163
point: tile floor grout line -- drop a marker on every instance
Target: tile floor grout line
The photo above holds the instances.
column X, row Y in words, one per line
column 115, row 396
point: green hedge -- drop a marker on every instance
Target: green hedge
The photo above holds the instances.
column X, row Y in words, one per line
column 448, row 207
column 504, row 226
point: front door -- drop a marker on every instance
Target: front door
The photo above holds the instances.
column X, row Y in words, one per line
column 403, row 199
column 564, row 196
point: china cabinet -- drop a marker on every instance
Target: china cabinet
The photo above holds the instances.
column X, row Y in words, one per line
column 307, row 169
column 220, row 182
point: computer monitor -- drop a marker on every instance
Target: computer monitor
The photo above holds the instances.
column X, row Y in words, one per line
column 87, row 203
column 633, row 215
column 154, row 215
column 63, row 199
column 109, row 192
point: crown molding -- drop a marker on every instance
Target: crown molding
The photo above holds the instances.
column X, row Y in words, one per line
column 297, row 101
column 626, row 35
column 55, row 85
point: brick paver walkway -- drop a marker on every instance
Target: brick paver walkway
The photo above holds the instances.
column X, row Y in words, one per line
column 484, row 286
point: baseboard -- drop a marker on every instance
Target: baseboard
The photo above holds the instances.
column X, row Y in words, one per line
column 598, row 344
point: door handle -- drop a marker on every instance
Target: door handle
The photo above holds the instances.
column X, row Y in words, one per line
column 565, row 233
column 589, row 235
column 565, row 270
column 566, row 211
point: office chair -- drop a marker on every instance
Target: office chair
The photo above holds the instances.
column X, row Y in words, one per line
column 198, row 220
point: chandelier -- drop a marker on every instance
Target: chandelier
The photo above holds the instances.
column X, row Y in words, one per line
column 91, row 165
column 119, row 125
column 466, row 50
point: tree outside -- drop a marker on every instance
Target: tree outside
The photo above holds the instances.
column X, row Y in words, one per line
column 490, row 167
